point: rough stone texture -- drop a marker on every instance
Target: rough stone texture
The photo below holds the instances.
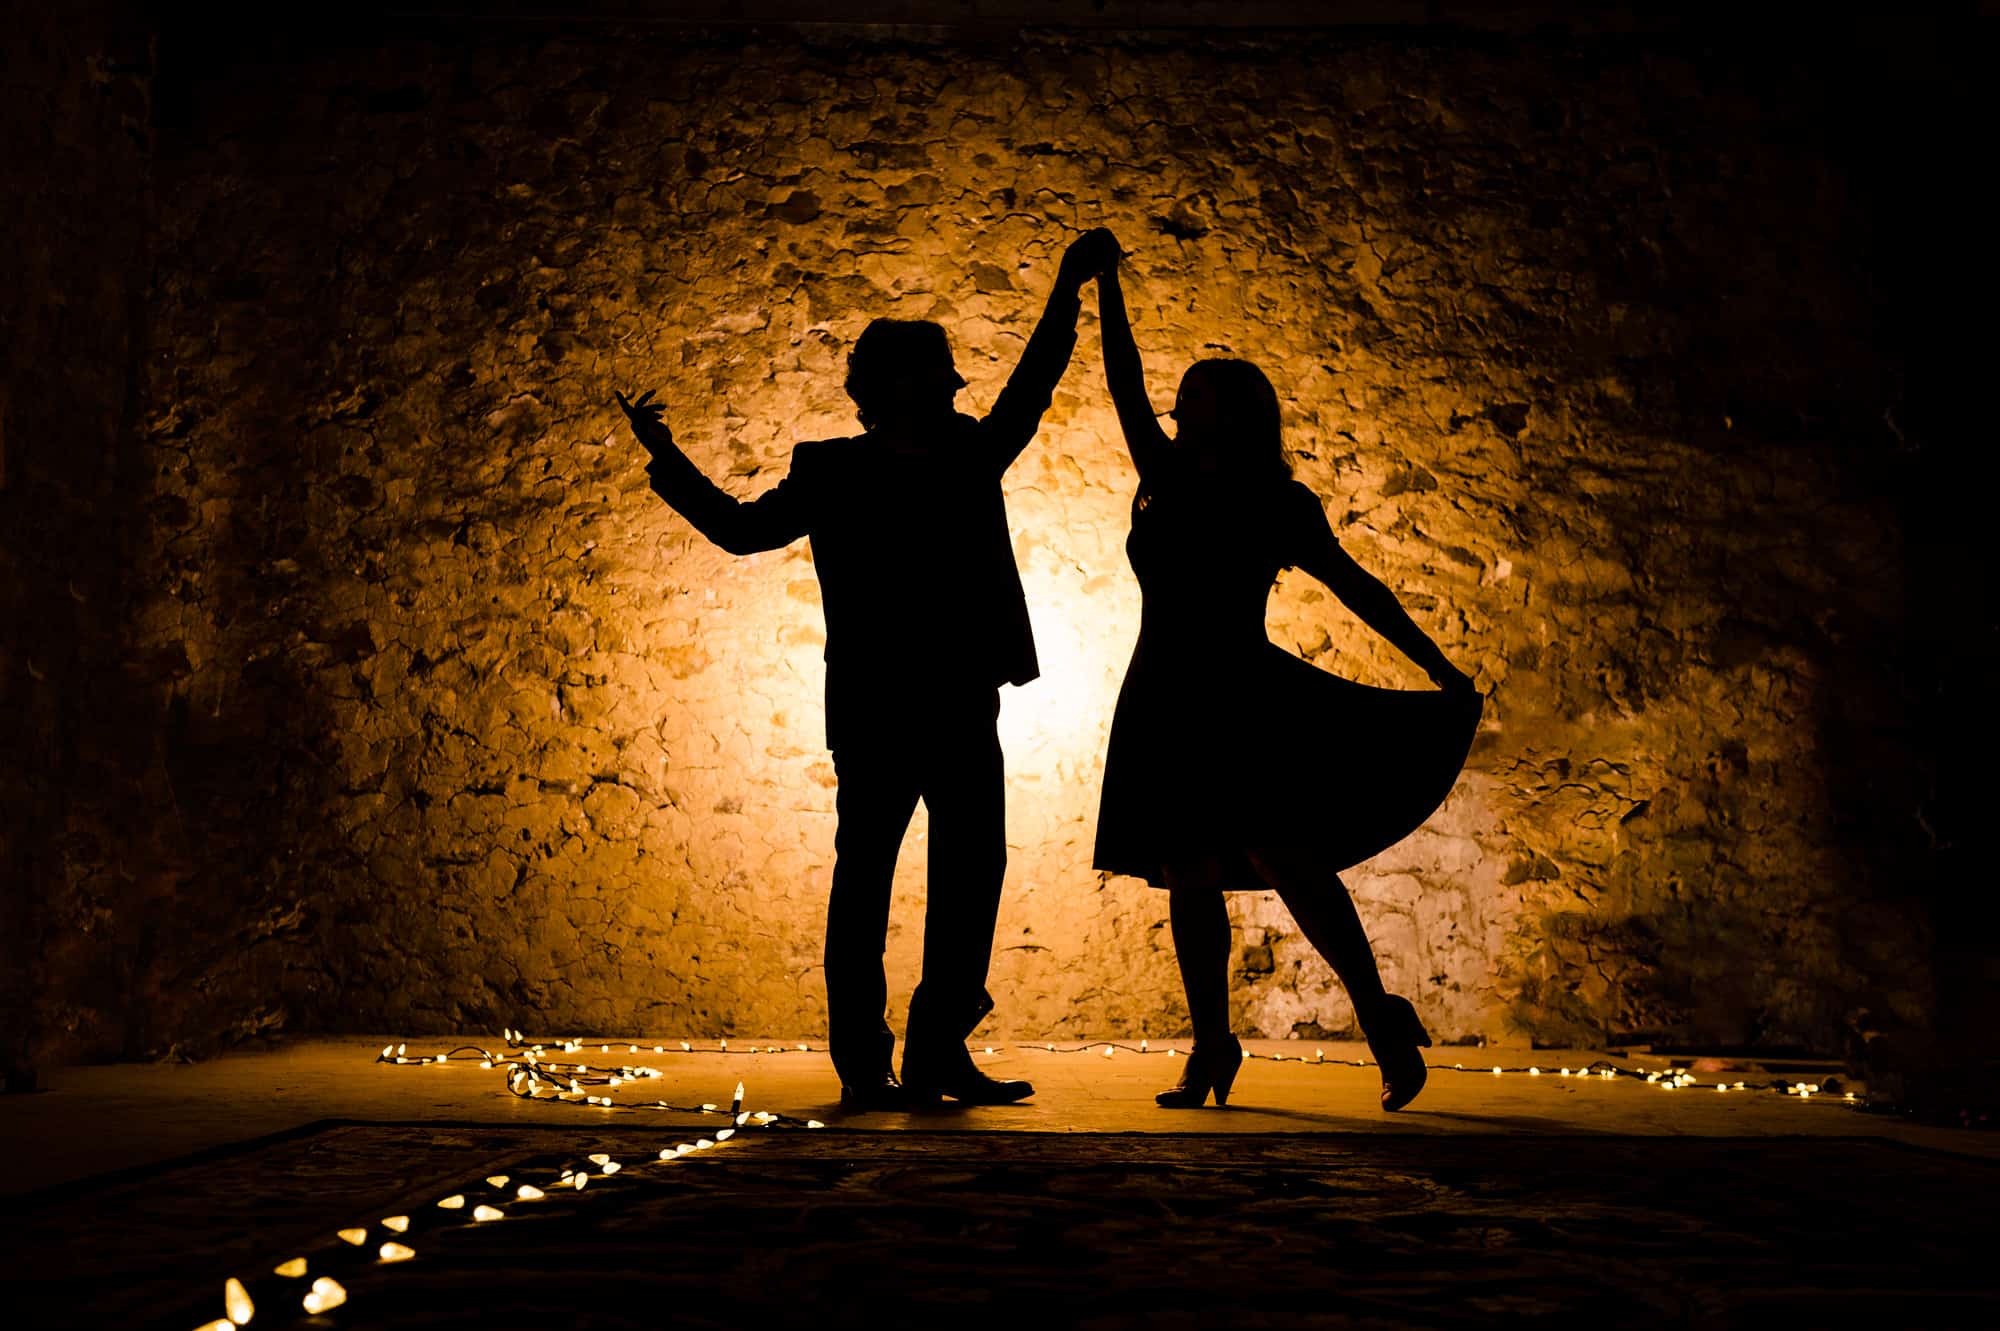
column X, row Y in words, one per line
column 86, row 846
column 465, row 727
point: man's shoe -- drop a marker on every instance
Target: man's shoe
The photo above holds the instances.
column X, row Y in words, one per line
column 887, row 1096
column 949, row 1070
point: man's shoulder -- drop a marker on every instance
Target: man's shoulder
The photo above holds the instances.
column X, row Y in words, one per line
column 824, row 450
column 820, row 455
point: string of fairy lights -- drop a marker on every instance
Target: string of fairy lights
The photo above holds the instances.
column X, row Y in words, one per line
column 543, row 1071
column 535, row 1073
column 531, row 1075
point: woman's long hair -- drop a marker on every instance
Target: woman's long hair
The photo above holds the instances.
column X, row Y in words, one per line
column 1255, row 451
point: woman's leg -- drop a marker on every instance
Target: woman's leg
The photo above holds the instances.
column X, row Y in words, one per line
column 1319, row 901
column 1325, row 912
column 1201, row 945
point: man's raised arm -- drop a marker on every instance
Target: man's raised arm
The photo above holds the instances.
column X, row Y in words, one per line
column 1017, row 413
column 776, row 517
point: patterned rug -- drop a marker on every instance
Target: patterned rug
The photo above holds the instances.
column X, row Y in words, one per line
column 832, row 1228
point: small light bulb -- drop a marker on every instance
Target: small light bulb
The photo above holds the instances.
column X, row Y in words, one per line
column 1107, row 1051
column 387, row 1050
column 578, row 1181
column 395, row 1252
column 496, row 1180
column 402, row 1049
column 814, row 1123
column 1320, row 1054
column 528, row 1192
column 487, row 1212
column 613, row 1167
column 1496, row 1072
column 291, row 1270
column 236, row 1302
column 357, row 1237
column 742, row 1118
column 396, row 1224
column 686, row 1047
column 599, row 1158
column 725, row 1134
column 452, row 1203
column 989, row 1048
column 326, row 1293
column 1142, row 1046
column 704, row 1144
column 1534, row 1072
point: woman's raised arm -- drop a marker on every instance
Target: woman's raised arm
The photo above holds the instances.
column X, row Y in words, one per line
column 1126, row 377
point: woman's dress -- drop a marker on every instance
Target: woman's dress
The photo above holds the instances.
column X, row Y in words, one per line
column 1224, row 742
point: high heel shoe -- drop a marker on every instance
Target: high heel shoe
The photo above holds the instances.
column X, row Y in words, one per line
column 1394, row 1036
column 1210, row 1067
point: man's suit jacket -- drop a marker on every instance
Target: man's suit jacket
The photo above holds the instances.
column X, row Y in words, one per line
column 909, row 535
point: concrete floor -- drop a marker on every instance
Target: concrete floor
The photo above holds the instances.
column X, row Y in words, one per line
column 93, row 1120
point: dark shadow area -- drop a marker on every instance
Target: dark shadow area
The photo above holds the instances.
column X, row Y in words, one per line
column 851, row 1229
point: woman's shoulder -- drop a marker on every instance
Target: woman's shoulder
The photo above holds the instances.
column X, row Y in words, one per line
column 1297, row 500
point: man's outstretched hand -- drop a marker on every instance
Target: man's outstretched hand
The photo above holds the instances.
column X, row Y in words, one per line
column 1091, row 254
column 644, row 413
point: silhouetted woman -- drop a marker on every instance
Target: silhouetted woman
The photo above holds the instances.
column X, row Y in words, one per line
column 1232, row 763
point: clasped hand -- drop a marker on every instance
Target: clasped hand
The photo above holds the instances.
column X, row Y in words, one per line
column 1091, row 254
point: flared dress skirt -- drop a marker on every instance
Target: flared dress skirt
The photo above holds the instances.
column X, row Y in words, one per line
column 1268, row 750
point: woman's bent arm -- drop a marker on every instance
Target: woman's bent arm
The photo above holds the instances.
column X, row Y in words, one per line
column 1371, row 600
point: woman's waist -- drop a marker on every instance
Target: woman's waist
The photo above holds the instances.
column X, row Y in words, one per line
column 1208, row 633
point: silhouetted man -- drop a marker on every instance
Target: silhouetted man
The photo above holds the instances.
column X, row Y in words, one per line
column 925, row 619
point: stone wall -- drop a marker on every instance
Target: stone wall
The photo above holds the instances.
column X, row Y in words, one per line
column 85, row 844
column 1577, row 343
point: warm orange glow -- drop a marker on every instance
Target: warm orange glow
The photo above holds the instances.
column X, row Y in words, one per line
column 236, row 1302
column 327, row 1293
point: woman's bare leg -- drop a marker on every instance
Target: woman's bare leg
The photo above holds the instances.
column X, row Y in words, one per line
column 1325, row 912
column 1200, row 923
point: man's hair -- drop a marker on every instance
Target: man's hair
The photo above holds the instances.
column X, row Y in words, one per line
column 890, row 358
